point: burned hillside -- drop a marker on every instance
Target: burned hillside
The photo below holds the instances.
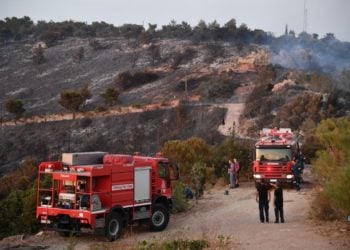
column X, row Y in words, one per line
column 200, row 67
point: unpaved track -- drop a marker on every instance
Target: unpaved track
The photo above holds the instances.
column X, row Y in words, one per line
column 234, row 110
column 234, row 215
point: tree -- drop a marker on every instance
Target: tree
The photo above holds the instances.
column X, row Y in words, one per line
column 229, row 149
column 110, row 96
column 193, row 157
column 231, row 27
column 38, row 55
column 187, row 153
column 11, row 209
column 332, row 167
column 74, row 99
column 152, row 28
column 15, row 106
column 71, row 100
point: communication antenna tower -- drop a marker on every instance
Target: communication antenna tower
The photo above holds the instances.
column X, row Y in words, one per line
column 305, row 17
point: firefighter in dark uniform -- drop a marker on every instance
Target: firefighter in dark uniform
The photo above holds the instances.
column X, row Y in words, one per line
column 263, row 198
column 278, row 202
column 297, row 170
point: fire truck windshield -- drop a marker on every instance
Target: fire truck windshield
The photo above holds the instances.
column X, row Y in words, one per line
column 273, row 154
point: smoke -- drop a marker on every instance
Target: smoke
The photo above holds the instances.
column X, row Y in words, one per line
column 318, row 55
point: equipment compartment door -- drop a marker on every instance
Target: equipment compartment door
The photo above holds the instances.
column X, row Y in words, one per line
column 142, row 184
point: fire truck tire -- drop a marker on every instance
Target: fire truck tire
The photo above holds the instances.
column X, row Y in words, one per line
column 114, row 226
column 159, row 218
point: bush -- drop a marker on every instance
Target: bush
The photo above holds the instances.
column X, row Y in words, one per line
column 50, row 37
column 127, row 80
column 15, row 106
column 229, row 149
column 332, row 168
column 179, row 201
column 192, row 156
column 74, row 99
column 20, row 179
column 173, row 245
column 198, row 178
column 219, row 88
column 110, row 96
column 302, row 107
column 322, row 208
column 180, row 58
column 17, row 213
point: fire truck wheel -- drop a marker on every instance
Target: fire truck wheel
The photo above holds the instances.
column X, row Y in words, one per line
column 113, row 226
column 160, row 217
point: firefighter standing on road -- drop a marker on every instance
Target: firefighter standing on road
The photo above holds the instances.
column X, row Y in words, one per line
column 263, row 198
column 297, row 170
column 278, row 202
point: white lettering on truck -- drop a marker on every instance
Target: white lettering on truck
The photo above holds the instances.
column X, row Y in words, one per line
column 122, row 187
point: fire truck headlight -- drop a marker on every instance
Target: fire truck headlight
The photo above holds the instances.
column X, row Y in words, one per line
column 289, row 176
column 257, row 176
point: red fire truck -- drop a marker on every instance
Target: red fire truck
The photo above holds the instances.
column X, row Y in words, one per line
column 101, row 193
column 274, row 155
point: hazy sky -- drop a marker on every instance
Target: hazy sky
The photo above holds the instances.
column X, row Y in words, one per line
column 270, row 15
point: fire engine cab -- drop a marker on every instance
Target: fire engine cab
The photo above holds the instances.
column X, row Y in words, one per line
column 274, row 155
column 101, row 193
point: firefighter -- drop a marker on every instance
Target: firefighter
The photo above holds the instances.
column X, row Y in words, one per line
column 297, row 170
column 278, row 202
column 263, row 199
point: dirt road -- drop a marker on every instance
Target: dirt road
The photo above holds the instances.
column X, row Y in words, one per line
column 233, row 216
column 231, row 124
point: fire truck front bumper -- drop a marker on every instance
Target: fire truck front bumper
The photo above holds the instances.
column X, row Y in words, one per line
column 259, row 177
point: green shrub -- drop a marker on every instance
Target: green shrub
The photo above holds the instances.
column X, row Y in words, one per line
column 332, row 168
column 179, row 201
column 322, row 207
column 229, row 149
column 15, row 106
column 198, row 177
column 218, row 88
column 110, row 96
column 173, row 245
column 127, row 80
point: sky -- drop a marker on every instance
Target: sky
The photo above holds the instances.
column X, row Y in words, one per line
column 323, row 16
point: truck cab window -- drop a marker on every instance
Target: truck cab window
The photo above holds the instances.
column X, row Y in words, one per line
column 163, row 170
